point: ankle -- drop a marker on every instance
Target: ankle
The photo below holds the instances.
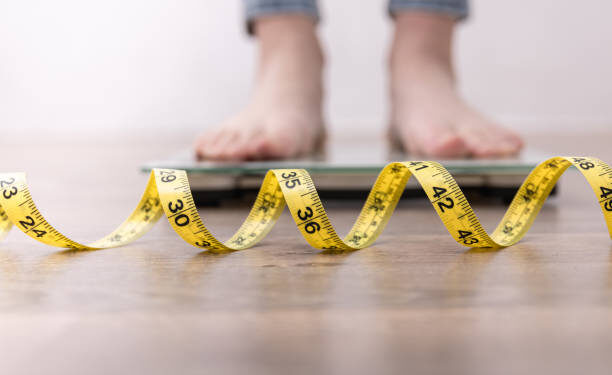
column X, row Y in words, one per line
column 422, row 40
column 288, row 32
column 280, row 25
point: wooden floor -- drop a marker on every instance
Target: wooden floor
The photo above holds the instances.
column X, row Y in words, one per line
column 414, row 303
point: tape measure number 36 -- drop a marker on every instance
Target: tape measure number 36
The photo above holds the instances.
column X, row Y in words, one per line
column 168, row 193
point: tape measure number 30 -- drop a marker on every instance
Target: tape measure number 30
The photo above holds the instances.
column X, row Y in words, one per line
column 168, row 193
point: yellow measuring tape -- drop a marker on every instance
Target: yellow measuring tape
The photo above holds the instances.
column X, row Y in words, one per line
column 168, row 192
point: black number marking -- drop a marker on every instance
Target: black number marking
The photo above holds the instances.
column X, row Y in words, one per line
column 203, row 244
column 267, row 202
column 396, row 169
column 7, row 194
column 438, row 191
column 465, row 236
column 292, row 183
column 308, row 213
column 289, row 175
column 414, row 163
column 239, row 240
column 312, row 227
column 443, row 205
column 605, row 192
column 149, row 204
column 168, row 178
column 2, row 183
column 531, row 189
column 379, row 201
column 39, row 233
column 28, row 222
column 181, row 220
column 608, row 206
column 179, row 206
column 583, row 164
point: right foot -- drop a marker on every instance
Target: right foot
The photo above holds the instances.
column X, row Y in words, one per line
column 284, row 117
column 429, row 117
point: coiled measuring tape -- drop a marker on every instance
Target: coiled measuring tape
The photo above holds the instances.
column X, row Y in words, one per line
column 168, row 193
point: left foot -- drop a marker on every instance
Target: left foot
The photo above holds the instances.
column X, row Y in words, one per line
column 428, row 116
column 284, row 117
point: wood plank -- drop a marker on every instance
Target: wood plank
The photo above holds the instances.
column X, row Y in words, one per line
column 415, row 302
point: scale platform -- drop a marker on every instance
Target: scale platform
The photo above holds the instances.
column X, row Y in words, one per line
column 347, row 171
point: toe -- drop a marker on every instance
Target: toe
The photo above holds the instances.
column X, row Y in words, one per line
column 277, row 147
column 514, row 139
column 489, row 140
column 220, row 147
column 281, row 135
column 284, row 138
column 204, row 142
column 238, row 149
column 404, row 139
column 428, row 134
column 211, row 149
column 255, row 148
column 444, row 143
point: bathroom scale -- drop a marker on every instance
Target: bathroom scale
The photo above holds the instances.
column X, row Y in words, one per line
column 347, row 171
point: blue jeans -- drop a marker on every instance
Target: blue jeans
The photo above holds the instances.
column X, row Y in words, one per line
column 257, row 8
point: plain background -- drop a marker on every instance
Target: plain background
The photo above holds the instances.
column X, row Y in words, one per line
column 116, row 66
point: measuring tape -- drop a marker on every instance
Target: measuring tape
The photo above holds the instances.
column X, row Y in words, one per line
column 168, row 193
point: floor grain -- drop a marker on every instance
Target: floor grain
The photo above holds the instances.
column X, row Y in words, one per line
column 415, row 302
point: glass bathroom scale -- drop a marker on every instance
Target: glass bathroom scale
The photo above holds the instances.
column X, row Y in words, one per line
column 347, row 171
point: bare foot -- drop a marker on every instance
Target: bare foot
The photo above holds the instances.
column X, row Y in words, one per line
column 284, row 117
column 427, row 115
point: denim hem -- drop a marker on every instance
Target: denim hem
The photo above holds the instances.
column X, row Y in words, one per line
column 458, row 10
column 267, row 8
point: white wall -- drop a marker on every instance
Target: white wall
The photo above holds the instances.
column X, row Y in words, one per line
column 116, row 65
